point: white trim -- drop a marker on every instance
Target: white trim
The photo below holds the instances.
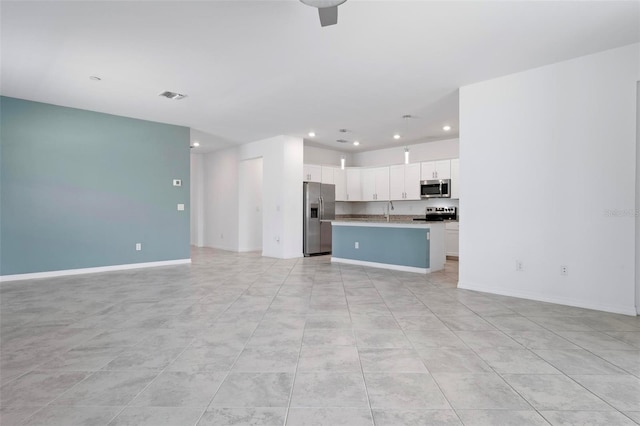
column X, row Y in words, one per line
column 419, row 225
column 382, row 265
column 616, row 309
column 51, row 274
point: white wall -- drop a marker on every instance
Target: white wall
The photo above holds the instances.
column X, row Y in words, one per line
column 637, row 212
column 426, row 151
column 560, row 142
column 220, row 199
column 223, row 182
column 324, row 156
column 282, row 193
column 250, row 207
column 197, row 194
column 414, row 208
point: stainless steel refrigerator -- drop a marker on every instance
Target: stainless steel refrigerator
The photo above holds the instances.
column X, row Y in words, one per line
column 319, row 210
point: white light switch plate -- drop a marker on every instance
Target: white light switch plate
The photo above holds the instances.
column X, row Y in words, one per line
column 180, row 207
column 177, row 182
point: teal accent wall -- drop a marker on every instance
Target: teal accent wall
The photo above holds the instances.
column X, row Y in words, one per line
column 396, row 246
column 78, row 189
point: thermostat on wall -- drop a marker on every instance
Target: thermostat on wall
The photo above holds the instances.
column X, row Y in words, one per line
column 177, row 182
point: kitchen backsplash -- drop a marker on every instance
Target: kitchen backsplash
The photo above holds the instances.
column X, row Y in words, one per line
column 400, row 207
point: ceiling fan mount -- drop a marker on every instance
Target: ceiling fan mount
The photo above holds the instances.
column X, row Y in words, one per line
column 327, row 9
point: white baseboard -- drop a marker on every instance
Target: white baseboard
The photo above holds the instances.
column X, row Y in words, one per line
column 381, row 265
column 51, row 274
column 616, row 309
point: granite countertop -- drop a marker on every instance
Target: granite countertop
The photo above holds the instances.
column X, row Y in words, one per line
column 381, row 219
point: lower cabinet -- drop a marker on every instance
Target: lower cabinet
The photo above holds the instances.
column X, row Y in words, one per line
column 452, row 238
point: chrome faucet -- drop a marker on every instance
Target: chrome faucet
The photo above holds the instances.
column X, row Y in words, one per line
column 390, row 207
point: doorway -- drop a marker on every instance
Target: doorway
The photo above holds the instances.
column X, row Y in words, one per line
column 250, row 205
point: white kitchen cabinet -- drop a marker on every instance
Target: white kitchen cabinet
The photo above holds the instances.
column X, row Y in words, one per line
column 396, row 182
column 455, row 178
column 382, row 183
column 368, row 183
column 328, row 174
column 412, row 181
column 404, row 182
column 375, row 184
column 312, row 173
column 354, row 185
column 436, row 170
column 452, row 238
column 340, row 181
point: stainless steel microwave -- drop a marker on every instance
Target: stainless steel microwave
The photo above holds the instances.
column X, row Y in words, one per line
column 437, row 188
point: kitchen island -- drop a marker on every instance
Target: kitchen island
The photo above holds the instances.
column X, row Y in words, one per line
column 410, row 246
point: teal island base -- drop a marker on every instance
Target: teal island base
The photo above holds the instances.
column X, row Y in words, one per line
column 411, row 247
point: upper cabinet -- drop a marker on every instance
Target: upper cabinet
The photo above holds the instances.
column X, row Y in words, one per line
column 354, row 185
column 328, row 174
column 312, row 173
column 455, row 178
column 397, row 183
column 375, row 184
column 340, row 181
column 320, row 174
column 436, row 170
column 404, row 182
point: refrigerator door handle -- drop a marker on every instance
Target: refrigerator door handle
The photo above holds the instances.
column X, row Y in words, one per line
column 321, row 208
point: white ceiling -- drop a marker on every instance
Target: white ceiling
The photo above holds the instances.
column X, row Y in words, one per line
column 254, row 69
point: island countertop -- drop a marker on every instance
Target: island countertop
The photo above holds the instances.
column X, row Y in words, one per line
column 384, row 224
column 394, row 219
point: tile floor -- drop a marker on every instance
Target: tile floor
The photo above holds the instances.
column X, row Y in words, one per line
column 237, row 339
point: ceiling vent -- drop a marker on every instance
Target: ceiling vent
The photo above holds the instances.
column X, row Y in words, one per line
column 342, row 141
column 173, row 95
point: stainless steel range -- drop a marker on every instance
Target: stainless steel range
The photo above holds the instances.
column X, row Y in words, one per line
column 440, row 213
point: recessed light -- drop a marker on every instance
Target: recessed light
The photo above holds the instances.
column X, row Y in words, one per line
column 356, row 143
column 312, row 135
column 94, row 78
column 446, row 128
column 172, row 95
column 196, row 144
column 396, row 136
